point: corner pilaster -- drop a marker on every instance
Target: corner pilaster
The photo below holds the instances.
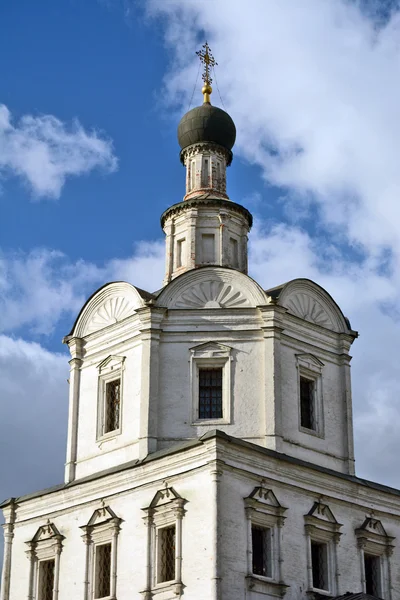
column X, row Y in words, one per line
column 272, row 328
column 76, row 348
column 151, row 319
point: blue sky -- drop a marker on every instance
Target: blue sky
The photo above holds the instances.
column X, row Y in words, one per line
column 91, row 94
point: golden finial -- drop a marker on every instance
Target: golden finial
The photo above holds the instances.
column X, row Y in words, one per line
column 208, row 61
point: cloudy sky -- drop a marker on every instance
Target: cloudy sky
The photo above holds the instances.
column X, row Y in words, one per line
column 91, row 94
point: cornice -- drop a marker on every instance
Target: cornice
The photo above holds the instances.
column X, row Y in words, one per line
column 205, row 200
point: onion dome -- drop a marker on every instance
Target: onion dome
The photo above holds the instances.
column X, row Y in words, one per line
column 207, row 123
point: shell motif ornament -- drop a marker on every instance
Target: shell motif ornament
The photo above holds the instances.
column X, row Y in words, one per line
column 306, row 307
column 112, row 311
column 212, row 294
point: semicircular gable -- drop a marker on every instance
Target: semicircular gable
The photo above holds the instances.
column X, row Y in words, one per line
column 112, row 303
column 212, row 287
column 309, row 301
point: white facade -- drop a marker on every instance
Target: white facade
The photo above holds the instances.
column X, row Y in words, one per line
column 250, row 496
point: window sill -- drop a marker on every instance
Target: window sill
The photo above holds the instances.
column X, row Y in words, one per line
column 169, row 588
column 211, row 422
column 108, row 437
column 266, row 585
column 317, row 593
column 313, row 432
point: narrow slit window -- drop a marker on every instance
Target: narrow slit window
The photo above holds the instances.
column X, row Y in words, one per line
column 208, row 247
column 218, row 174
column 234, row 252
column 261, row 539
column 205, row 173
column 210, row 393
column 102, row 571
column 192, row 175
column 166, row 554
column 180, row 248
column 307, row 403
column 319, row 561
column 372, row 567
column 46, row 579
column 112, row 405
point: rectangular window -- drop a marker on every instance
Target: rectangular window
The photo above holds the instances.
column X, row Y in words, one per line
column 210, row 393
column 180, row 247
column 112, row 405
column 46, row 579
column 234, row 252
column 372, row 567
column 208, row 248
column 102, row 577
column 307, row 403
column 262, row 550
column 166, row 557
column 319, row 561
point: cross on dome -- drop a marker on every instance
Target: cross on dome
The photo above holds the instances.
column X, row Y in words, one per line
column 208, row 60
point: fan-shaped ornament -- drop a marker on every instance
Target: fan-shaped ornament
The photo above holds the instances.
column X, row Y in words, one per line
column 112, row 311
column 306, row 307
column 212, row 294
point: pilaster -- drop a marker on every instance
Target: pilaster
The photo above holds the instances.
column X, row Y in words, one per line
column 151, row 319
column 76, row 347
column 10, row 515
column 272, row 328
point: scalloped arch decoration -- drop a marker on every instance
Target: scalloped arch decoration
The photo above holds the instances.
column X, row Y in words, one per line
column 111, row 304
column 312, row 303
column 212, row 287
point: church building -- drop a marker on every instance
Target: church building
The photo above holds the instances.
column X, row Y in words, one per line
column 210, row 430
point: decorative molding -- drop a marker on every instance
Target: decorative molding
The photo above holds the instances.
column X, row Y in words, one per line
column 372, row 533
column 206, row 199
column 306, row 307
column 307, row 300
column 212, row 294
column 111, row 304
column 113, row 310
column 321, row 524
column 211, row 287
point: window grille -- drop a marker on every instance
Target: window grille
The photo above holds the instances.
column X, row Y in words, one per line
column 113, row 403
column 46, row 579
column 103, row 571
column 167, row 554
column 372, row 574
column 319, row 561
column 262, row 550
column 307, row 408
column 210, row 393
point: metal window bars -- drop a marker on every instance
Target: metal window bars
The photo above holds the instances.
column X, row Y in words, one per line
column 210, row 393
column 46, row 579
column 112, row 405
column 167, row 554
column 103, row 571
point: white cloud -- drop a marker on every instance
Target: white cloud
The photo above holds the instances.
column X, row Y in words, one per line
column 34, row 415
column 43, row 151
column 42, row 286
column 314, row 90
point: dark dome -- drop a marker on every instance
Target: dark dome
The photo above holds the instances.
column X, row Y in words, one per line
column 206, row 123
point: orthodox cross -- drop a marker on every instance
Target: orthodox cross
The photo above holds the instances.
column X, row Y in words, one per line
column 208, row 61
